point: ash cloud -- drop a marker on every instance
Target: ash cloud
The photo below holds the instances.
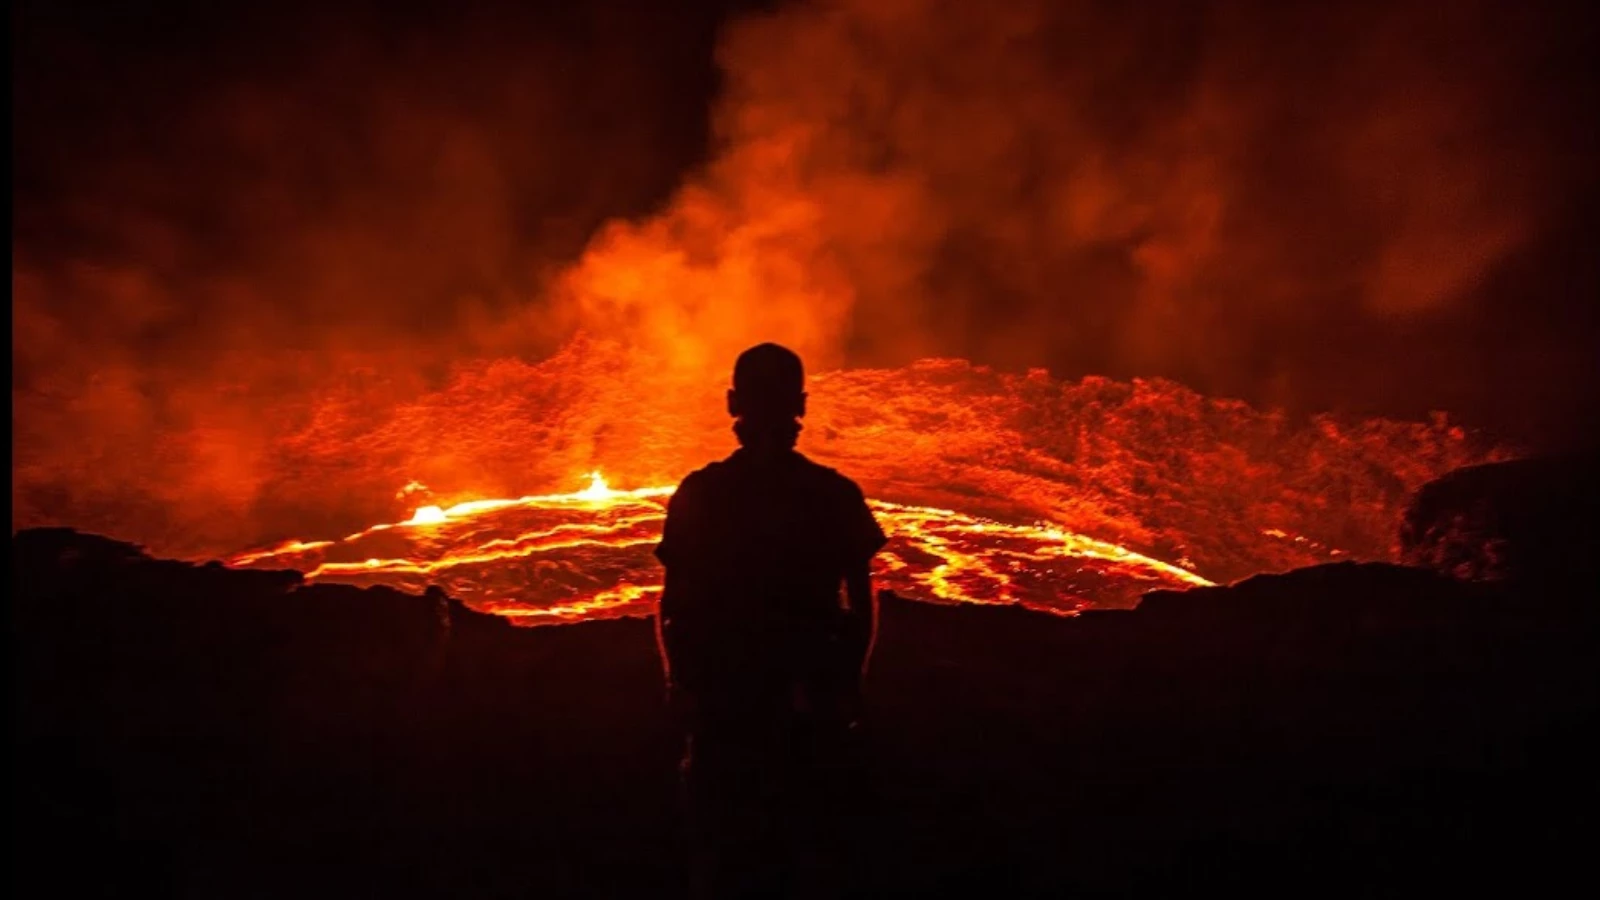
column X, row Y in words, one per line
column 227, row 224
column 1202, row 191
column 227, row 220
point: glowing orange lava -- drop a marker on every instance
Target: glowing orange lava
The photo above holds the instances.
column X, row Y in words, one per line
column 1211, row 485
column 587, row 555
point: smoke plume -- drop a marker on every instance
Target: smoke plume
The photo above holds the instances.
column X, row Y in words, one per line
column 241, row 231
column 1175, row 189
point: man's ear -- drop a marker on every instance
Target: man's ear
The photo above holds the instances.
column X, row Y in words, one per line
column 800, row 410
column 733, row 403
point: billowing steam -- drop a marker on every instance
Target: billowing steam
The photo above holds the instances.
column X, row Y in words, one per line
column 1075, row 182
column 212, row 275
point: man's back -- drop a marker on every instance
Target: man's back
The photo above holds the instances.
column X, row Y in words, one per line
column 766, row 620
column 758, row 548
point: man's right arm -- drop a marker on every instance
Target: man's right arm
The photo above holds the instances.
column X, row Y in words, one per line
column 862, row 614
column 863, row 538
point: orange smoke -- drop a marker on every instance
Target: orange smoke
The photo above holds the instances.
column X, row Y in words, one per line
column 319, row 281
column 1033, row 181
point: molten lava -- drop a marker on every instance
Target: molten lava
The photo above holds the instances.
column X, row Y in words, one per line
column 587, row 555
column 963, row 459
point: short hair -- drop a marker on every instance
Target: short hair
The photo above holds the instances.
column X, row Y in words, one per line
column 769, row 373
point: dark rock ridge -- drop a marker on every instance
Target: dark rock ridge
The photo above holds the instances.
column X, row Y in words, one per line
column 1529, row 520
column 198, row 731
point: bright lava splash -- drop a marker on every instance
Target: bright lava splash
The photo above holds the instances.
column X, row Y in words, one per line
column 990, row 483
column 585, row 555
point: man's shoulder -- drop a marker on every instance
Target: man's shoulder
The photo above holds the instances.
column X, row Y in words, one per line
column 711, row 480
column 709, row 473
column 732, row 471
column 697, row 480
column 829, row 478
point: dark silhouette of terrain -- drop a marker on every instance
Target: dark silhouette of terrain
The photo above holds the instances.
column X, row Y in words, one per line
column 203, row 732
column 1525, row 521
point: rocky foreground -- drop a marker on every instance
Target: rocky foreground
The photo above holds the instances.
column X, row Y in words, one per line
column 199, row 731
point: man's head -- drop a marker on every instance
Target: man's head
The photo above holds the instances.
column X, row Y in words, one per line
column 769, row 384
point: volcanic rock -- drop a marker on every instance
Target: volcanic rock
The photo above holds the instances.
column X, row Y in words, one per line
column 1534, row 520
column 209, row 732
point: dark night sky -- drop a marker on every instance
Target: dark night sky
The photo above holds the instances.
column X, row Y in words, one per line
column 444, row 163
column 107, row 92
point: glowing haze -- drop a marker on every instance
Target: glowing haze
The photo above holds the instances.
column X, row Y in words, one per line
column 357, row 259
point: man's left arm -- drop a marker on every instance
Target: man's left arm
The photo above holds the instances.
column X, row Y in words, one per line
column 678, row 552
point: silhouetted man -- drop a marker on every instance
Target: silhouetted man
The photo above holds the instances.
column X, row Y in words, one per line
column 766, row 623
